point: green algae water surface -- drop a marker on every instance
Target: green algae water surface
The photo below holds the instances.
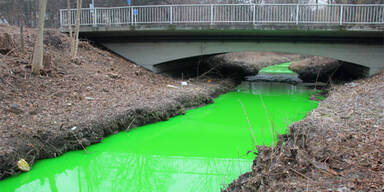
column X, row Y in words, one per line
column 203, row 150
column 280, row 68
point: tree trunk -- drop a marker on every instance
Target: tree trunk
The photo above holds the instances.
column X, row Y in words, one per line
column 70, row 26
column 38, row 53
column 77, row 29
column 22, row 38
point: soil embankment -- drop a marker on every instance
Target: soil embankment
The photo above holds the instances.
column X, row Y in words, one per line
column 249, row 63
column 322, row 69
column 74, row 105
column 338, row 147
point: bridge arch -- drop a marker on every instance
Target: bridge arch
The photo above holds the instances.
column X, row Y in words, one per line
column 151, row 54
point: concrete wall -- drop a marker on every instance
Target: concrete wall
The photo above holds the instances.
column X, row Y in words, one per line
column 149, row 54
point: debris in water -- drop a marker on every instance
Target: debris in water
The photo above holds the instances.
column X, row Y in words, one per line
column 172, row 86
column 89, row 98
column 23, row 165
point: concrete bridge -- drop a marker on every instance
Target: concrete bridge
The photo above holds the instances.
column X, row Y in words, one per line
column 152, row 35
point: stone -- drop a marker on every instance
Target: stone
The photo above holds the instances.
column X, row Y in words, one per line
column 14, row 108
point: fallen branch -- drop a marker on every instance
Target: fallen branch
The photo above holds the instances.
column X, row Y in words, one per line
column 129, row 126
column 5, row 81
column 79, row 142
column 202, row 75
column 300, row 174
column 9, row 52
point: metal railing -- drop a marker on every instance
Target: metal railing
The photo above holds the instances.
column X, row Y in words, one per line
column 339, row 14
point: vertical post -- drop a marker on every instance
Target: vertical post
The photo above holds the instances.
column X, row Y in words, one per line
column 170, row 15
column 131, row 15
column 382, row 16
column 297, row 14
column 254, row 15
column 212, row 14
column 341, row 14
column 94, row 17
column 61, row 18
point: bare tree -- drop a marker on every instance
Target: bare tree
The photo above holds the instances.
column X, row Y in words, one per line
column 77, row 30
column 38, row 52
column 70, row 26
column 22, row 36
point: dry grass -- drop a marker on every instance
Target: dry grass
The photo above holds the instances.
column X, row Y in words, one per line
column 338, row 147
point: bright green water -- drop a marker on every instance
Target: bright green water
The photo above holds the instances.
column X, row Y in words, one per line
column 200, row 151
column 281, row 68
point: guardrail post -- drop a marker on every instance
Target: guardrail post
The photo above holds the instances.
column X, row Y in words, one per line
column 131, row 15
column 382, row 16
column 297, row 14
column 61, row 18
column 254, row 15
column 94, row 17
column 341, row 14
column 212, row 14
column 170, row 15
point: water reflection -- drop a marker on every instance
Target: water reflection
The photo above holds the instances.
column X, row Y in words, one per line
column 271, row 88
column 137, row 172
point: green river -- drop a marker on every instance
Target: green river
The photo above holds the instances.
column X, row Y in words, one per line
column 203, row 150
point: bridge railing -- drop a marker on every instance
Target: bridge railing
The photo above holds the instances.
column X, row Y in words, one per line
column 340, row 14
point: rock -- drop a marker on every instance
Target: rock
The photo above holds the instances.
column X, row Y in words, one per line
column 89, row 98
column 284, row 78
column 7, row 43
column 15, row 109
column 76, row 61
column 352, row 84
column 85, row 142
column 114, row 75
column 172, row 86
column 34, row 112
column 2, row 96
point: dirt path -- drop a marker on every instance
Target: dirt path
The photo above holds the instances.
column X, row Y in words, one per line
column 75, row 105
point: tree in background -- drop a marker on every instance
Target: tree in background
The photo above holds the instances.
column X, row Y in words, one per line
column 38, row 51
column 77, row 30
column 70, row 26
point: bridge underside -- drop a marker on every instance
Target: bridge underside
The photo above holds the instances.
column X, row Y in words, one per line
column 149, row 50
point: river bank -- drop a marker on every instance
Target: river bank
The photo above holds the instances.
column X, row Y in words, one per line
column 77, row 104
column 338, row 147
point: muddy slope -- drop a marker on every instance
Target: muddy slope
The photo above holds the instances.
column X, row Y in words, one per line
column 338, row 147
column 73, row 105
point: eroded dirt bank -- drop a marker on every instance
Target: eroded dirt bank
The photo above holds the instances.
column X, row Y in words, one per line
column 338, row 147
column 76, row 104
